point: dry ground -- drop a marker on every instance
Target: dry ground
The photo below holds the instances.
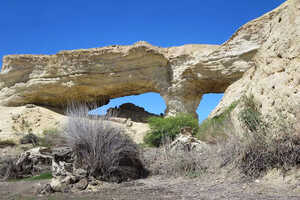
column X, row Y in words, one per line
column 202, row 188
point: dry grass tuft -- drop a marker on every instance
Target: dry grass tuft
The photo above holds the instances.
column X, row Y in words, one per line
column 175, row 162
column 101, row 147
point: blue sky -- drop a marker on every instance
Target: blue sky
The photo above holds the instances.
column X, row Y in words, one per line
column 48, row 26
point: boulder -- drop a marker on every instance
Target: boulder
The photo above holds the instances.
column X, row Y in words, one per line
column 29, row 163
column 186, row 142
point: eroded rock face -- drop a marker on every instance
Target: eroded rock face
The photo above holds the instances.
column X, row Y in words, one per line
column 130, row 111
column 266, row 46
column 274, row 81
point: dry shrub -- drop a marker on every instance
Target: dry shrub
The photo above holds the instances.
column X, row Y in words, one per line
column 52, row 138
column 101, row 147
column 8, row 168
column 175, row 162
column 29, row 138
column 258, row 156
column 215, row 130
column 261, row 149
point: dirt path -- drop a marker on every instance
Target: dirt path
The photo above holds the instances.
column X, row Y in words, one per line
column 155, row 188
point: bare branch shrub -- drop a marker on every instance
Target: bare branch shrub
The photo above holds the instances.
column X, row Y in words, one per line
column 174, row 162
column 8, row 169
column 101, row 147
column 260, row 148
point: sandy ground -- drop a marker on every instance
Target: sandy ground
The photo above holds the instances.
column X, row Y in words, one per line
column 204, row 188
column 15, row 122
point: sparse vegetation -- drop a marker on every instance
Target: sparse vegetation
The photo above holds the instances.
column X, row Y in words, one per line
column 169, row 127
column 29, row 138
column 250, row 116
column 174, row 163
column 51, row 137
column 260, row 150
column 43, row 176
column 8, row 169
column 213, row 129
column 102, row 148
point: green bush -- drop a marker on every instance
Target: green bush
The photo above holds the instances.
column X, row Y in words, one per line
column 212, row 129
column 161, row 128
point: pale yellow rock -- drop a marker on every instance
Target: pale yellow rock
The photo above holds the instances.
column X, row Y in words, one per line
column 274, row 81
column 261, row 58
column 15, row 122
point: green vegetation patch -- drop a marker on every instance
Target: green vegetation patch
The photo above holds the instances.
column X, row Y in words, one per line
column 213, row 129
column 42, row 176
column 250, row 115
column 169, row 127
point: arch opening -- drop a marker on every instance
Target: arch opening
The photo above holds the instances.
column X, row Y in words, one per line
column 150, row 102
column 207, row 105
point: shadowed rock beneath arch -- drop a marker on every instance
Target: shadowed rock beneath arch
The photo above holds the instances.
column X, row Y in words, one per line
column 130, row 111
column 180, row 74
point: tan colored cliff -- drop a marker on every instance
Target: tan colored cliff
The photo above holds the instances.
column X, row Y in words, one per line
column 274, row 80
column 267, row 49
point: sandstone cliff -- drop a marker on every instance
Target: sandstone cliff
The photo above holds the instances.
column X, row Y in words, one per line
column 274, row 79
column 267, row 49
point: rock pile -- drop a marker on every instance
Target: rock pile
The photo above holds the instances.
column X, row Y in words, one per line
column 186, row 142
column 30, row 163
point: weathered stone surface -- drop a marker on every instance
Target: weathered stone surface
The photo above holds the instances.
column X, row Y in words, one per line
column 15, row 122
column 186, row 142
column 29, row 163
column 274, row 81
column 130, row 111
column 266, row 48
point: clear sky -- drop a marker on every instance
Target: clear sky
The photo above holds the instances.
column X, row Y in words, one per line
column 48, row 26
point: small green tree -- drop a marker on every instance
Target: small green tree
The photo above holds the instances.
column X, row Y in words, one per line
column 169, row 127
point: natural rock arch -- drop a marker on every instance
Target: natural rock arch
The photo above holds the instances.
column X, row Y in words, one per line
column 180, row 74
column 112, row 72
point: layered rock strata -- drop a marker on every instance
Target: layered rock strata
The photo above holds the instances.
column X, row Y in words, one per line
column 266, row 48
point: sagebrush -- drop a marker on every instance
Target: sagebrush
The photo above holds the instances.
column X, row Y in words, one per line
column 101, row 147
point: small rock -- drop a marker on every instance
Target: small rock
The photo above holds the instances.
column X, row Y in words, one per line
column 57, row 185
column 129, row 123
column 30, row 106
column 45, row 190
column 82, row 184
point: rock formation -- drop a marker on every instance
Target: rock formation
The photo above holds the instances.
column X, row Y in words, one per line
column 274, row 79
column 266, row 48
column 130, row 111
